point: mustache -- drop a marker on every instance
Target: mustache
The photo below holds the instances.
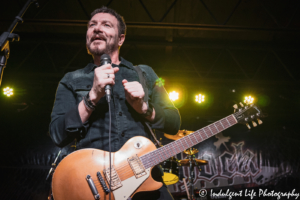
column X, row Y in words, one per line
column 98, row 37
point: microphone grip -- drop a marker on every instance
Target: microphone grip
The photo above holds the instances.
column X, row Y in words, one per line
column 107, row 87
column 105, row 59
column 107, row 92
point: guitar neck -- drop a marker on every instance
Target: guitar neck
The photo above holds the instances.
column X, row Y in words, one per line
column 159, row 155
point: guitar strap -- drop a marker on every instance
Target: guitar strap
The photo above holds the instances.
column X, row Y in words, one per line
column 143, row 81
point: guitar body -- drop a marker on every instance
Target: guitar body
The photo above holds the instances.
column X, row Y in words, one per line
column 69, row 179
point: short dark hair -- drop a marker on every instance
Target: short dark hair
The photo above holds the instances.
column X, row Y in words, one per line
column 121, row 21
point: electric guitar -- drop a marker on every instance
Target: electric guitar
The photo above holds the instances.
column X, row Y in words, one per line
column 85, row 174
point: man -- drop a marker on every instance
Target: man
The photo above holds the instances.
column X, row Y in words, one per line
column 81, row 110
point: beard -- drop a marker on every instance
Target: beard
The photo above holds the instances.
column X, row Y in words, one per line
column 108, row 49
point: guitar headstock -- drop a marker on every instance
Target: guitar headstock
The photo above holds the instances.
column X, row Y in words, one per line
column 248, row 113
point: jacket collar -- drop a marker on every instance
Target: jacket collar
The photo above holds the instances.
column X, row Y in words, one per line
column 91, row 66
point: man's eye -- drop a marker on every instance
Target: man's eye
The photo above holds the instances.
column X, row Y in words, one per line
column 107, row 25
column 92, row 25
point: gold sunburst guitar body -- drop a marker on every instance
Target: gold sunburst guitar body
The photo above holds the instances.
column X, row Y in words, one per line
column 69, row 179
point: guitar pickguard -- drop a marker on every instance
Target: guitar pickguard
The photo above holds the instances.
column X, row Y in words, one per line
column 129, row 186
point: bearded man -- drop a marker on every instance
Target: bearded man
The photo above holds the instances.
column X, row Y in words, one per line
column 81, row 110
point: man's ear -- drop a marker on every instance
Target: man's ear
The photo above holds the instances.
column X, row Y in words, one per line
column 121, row 40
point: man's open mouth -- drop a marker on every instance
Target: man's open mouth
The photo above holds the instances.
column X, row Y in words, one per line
column 98, row 38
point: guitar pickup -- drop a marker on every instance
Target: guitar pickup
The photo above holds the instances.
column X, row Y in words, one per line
column 92, row 187
column 102, row 182
column 115, row 179
column 137, row 166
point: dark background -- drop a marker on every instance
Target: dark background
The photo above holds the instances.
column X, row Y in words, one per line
column 197, row 46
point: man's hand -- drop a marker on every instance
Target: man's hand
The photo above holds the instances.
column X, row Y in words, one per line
column 104, row 75
column 134, row 94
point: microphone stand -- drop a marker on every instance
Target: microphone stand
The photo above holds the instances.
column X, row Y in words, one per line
column 9, row 36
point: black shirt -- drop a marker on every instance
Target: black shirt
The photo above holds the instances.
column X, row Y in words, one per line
column 66, row 124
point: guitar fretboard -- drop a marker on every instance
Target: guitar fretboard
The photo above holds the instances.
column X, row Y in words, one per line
column 159, row 155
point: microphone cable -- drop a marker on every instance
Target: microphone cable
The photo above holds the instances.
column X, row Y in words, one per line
column 105, row 59
column 109, row 147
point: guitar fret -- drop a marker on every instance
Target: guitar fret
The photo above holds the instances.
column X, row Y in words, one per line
column 234, row 119
column 166, row 152
column 185, row 142
column 201, row 136
column 190, row 140
column 228, row 121
column 193, row 140
column 210, row 130
column 205, row 133
column 216, row 127
column 195, row 137
column 169, row 151
column 162, row 154
column 180, row 146
column 225, row 122
column 222, row 125
column 174, row 152
column 159, row 154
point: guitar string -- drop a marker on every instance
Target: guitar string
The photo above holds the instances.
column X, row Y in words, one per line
column 126, row 173
column 231, row 120
column 123, row 175
column 152, row 162
column 123, row 172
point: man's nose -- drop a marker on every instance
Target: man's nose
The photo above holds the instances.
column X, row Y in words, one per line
column 98, row 28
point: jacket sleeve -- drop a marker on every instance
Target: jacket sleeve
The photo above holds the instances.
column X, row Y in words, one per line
column 65, row 123
column 167, row 118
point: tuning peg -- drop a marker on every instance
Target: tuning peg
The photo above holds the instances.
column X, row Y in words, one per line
column 235, row 106
column 241, row 104
column 259, row 121
column 249, row 127
column 254, row 124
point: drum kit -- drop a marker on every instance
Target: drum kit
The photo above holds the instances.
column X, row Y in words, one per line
column 171, row 166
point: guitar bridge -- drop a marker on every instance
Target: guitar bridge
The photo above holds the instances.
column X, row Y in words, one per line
column 115, row 179
column 137, row 166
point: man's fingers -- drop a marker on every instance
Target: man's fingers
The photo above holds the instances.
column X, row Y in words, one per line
column 124, row 81
column 108, row 71
column 107, row 66
column 108, row 81
column 116, row 69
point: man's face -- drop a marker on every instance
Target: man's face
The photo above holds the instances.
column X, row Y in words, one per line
column 102, row 34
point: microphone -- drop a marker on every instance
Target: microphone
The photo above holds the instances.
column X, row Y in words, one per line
column 105, row 59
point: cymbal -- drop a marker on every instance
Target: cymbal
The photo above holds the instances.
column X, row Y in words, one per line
column 191, row 151
column 186, row 162
column 180, row 134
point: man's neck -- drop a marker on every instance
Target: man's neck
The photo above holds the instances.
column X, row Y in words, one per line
column 113, row 56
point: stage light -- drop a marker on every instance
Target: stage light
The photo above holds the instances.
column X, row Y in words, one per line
column 173, row 96
column 199, row 98
column 160, row 82
column 249, row 100
column 8, row 91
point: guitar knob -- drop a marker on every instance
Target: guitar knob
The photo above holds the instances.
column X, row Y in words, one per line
column 249, row 127
column 254, row 124
column 241, row 104
column 259, row 121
